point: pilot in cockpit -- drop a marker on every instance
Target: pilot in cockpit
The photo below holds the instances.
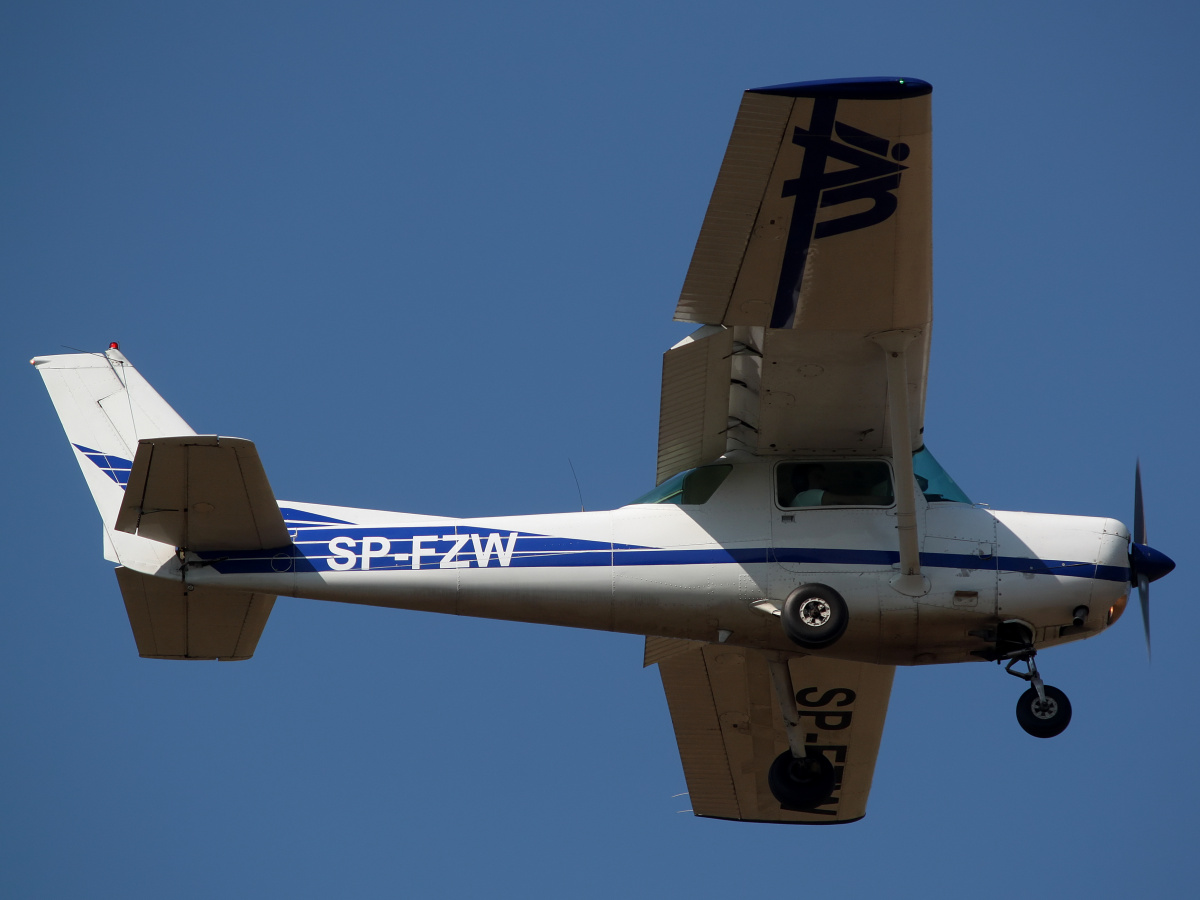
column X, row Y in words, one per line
column 836, row 484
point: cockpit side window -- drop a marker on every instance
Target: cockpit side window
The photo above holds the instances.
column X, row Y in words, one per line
column 838, row 483
column 690, row 488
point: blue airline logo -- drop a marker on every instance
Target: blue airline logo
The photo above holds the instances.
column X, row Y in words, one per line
column 870, row 170
column 115, row 467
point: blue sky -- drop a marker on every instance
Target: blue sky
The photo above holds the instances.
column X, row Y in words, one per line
column 424, row 256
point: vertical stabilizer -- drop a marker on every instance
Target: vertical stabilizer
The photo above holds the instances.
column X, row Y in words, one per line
column 106, row 407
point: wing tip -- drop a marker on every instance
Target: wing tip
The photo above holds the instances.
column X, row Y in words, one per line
column 876, row 87
column 782, row 821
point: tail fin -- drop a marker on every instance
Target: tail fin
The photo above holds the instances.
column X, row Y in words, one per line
column 106, row 407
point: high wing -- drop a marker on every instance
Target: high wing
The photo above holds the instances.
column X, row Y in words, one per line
column 817, row 238
column 729, row 727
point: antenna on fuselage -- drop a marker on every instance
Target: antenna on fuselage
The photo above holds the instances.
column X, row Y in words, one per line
column 582, row 508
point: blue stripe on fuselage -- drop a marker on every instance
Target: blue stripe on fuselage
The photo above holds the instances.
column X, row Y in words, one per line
column 312, row 553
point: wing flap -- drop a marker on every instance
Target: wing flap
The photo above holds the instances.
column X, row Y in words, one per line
column 202, row 492
column 729, row 729
column 171, row 622
column 694, row 413
column 698, row 733
column 660, row 648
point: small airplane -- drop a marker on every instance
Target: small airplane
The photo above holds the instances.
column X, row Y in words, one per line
column 801, row 541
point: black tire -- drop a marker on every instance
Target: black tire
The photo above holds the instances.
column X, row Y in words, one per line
column 1044, row 719
column 814, row 616
column 801, row 784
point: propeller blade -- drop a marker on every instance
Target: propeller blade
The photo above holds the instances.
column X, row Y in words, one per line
column 1144, row 596
column 1145, row 563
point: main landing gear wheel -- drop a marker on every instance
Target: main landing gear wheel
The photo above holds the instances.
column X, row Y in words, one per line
column 802, row 783
column 814, row 616
column 1044, row 717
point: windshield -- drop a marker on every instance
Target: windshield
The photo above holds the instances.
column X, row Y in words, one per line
column 936, row 485
column 689, row 488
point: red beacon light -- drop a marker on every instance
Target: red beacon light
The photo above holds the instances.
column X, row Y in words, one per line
column 113, row 346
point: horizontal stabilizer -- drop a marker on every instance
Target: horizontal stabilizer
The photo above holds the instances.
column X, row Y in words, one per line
column 171, row 622
column 201, row 492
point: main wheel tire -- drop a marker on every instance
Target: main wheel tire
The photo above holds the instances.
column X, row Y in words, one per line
column 814, row 616
column 1044, row 718
column 801, row 783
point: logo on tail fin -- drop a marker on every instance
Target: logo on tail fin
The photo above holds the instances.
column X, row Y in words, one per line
column 115, row 467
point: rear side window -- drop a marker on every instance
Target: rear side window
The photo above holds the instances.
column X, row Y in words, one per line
column 690, row 488
column 841, row 483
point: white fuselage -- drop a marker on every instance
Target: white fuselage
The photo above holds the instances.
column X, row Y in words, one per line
column 703, row 572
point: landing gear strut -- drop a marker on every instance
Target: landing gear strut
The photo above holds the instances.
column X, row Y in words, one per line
column 801, row 777
column 1043, row 711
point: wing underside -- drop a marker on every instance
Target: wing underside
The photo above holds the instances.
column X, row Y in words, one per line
column 729, row 728
column 817, row 239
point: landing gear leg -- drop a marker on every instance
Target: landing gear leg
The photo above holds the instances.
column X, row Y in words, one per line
column 1043, row 711
column 800, row 778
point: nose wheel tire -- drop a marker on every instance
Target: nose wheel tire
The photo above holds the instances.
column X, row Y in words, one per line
column 803, row 783
column 1044, row 718
column 814, row 616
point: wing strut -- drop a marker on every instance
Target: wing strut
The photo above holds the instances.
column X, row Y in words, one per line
column 910, row 581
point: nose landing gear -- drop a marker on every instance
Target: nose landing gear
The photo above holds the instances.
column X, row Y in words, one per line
column 1043, row 711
